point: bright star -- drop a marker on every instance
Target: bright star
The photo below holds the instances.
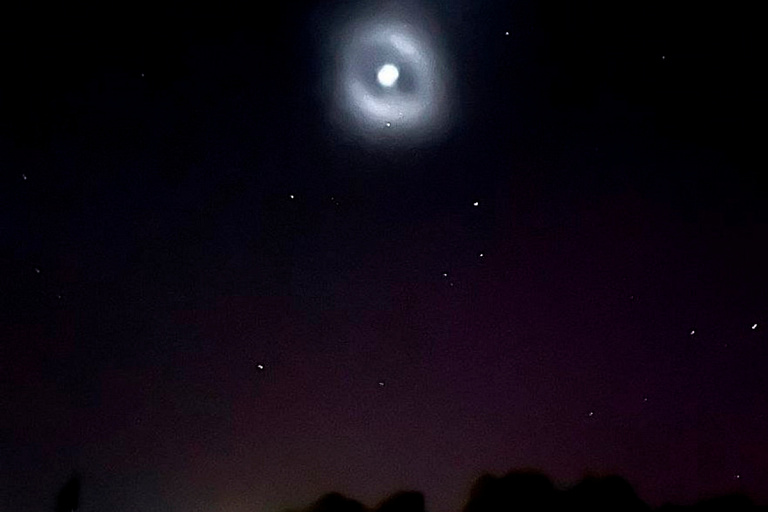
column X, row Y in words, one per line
column 388, row 75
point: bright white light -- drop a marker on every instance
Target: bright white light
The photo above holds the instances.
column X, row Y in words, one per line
column 386, row 63
column 388, row 75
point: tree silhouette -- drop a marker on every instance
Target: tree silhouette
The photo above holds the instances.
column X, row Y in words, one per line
column 605, row 494
column 517, row 491
column 335, row 502
column 523, row 491
column 532, row 491
column 731, row 503
column 68, row 499
column 405, row 501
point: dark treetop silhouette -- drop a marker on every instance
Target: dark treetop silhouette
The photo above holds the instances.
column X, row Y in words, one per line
column 517, row 491
column 68, row 499
column 530, row 491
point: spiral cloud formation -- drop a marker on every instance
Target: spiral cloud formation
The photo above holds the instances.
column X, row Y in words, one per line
column 390, row 81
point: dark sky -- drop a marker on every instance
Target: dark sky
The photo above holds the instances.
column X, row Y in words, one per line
column 216, row 296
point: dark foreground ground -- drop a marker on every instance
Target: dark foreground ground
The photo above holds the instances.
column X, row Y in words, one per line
column 518, row 491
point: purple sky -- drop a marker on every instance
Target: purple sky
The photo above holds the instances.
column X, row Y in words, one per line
column 214, row 301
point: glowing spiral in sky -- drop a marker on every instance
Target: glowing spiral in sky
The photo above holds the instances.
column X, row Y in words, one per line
column 390, row 82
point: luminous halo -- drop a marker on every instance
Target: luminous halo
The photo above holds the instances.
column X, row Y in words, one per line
column 389, row 82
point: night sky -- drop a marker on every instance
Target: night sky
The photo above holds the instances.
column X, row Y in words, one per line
column 238, row 271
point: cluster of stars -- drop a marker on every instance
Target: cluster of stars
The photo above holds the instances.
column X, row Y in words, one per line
column 591, row 414
column 388, row 78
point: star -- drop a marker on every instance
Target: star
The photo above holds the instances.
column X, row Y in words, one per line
column 754, row 327
column 260, row 366
column 692, row 332
column 476, row 203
